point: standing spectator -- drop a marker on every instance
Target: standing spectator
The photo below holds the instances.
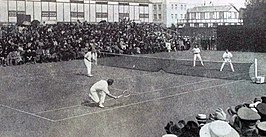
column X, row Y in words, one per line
column 227, row 59
column 196, row 52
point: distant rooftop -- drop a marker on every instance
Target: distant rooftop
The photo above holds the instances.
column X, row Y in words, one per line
column 211, row 8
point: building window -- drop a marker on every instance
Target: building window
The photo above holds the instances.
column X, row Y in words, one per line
column 181, row 16
column 154, row 7
column 143, row 15
column 175, row 16
column 172, row 15
column 205, row 24
column 159, row 16
column 202, row 15
column 221, row 15
column 229, row 15
column 235, row 15
column 101, row 15
column 159, row 7
column 181, row 6
column 196, row 24
column 172, row 6
column 155, row 16
column 193, row 15
column 215, row 24
column 211, row 15
column 176, row 6
column 185, row 7
column 53, row 14
column 77, row 14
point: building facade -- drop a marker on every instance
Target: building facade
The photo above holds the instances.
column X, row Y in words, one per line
column 168, row 11
column 211, row 16
column 73, row 10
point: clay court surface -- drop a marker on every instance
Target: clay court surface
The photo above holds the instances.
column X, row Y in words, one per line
column 43, row 100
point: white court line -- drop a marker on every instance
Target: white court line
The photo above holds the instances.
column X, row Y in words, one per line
column 62, row 108
column 141, row 102
column 21, row 111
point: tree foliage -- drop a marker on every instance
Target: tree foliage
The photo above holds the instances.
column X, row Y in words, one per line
column 255, row 13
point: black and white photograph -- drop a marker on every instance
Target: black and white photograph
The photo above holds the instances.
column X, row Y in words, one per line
column 132, row 68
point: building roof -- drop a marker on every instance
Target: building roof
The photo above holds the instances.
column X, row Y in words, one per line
column 130, row 1
column 210, row 8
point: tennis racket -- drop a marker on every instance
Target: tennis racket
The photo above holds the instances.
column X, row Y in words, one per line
column 125, row 94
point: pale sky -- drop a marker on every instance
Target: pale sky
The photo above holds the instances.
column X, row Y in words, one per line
column 237, row 3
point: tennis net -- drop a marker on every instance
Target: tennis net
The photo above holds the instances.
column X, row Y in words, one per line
column 175, row 66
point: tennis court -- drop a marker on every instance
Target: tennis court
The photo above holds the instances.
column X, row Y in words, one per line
column 44, row 99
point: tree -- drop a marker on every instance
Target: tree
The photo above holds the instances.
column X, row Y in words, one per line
column 255, row 13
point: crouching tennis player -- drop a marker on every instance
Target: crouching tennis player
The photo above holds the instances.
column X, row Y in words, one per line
column 99, row 90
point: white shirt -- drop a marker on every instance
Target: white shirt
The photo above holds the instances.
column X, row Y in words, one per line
column 168, row 45
column 227, row 55
column 196, row 50
column 87, row 56
column 101, row 85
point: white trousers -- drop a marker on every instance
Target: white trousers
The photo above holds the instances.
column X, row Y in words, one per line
column 97, row 96
column 195, row 58
column 227, row 61
column 94, row 57
column 88, row 65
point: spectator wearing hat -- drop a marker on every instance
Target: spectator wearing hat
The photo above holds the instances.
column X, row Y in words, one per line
column 233, row 118
column 168, row 126
column 261, row 129
column 191, row 129
column 248, row 120
column 263, row 99
column 201, row 119
column 255, row 104
column 218, row 128
column 261, row 108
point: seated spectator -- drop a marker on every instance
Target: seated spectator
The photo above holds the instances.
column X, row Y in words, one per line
column 263, row 98
column 254, row 104
column 261, row 129
column 233, row 118
column 191, row 129
column 248, row 120
column 261, row 108
column 218, row 115
column 218, row 128
column 201, row 119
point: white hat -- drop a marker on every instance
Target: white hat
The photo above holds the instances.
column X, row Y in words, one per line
column 169, row 135
column 218, row 128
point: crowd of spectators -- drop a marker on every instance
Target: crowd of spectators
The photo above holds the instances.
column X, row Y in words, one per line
column 243, row 120
column 67, row 41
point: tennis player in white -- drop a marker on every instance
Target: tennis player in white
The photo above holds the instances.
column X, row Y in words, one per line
column 99, row 90
column 196, row 52
column 227, row 59
column 88, row 59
